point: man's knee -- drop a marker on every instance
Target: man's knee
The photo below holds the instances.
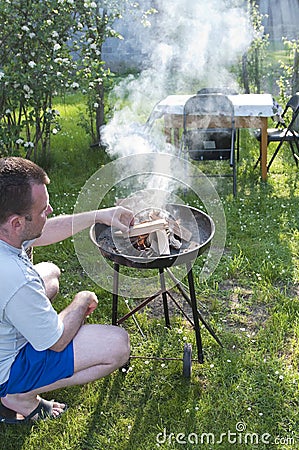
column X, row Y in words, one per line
column 48, row 269
column 50, row 273
column 124, row 346
column 101, row 346
column 119, row 343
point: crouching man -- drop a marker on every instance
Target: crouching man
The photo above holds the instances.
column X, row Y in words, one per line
column 41, row 350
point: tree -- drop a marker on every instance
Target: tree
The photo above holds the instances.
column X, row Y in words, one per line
column 252, row 70
column 289, row 80
column 49, row 47
column 97, row 26
column 35, row 63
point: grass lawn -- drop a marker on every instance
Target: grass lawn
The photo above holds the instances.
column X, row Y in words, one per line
column 244, row 395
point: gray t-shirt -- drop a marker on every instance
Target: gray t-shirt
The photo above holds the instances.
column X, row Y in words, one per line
column 26, row 314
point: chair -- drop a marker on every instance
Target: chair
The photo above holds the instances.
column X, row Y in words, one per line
column 225, row 91
column 209, row 131
column 285, row 133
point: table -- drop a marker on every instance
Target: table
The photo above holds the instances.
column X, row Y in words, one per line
column 251, row 111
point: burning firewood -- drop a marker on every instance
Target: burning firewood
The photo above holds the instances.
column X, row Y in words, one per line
column 174, row 226
column 145, row 228
column 159, row 242
column 174, row 242
column 157, row 235
column 179, row 230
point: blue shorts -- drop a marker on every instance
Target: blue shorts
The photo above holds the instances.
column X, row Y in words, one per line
column 32, row 369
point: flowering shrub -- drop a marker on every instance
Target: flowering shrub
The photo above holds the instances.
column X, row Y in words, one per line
column 47, row 48
column 289, row 79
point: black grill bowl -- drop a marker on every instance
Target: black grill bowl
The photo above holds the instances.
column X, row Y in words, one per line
column 199, row 223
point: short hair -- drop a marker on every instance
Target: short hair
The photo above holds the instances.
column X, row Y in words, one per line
column 17, row 175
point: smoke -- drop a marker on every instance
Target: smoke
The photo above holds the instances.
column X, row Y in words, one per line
column 189, row 44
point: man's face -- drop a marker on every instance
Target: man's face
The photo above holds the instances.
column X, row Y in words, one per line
column 40, row 210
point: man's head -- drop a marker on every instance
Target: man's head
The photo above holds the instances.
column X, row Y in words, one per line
column 17, row 176
column 23, row 195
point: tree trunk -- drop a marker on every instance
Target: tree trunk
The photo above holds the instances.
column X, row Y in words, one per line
column 295, row 77
column 245, row 77
column 257, row 71
column 100, row 115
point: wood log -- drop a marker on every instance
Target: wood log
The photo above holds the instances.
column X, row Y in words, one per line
column 144, row 228
column 179, row 230
column 163, row 242
column 175, row 227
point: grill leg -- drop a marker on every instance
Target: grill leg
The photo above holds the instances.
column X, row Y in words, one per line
column 194, row 312
column 164, row 297
column 115, row 293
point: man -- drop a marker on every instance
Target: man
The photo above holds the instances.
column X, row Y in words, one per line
column 41, row 350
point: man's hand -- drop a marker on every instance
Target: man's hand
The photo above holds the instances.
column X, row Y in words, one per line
column 84, row 303
column 118, row 217
column 92, row 299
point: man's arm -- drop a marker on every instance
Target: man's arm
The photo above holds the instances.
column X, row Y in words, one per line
column 84, row 303
column 61, row 227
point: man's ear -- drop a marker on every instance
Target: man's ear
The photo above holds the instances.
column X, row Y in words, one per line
column 16, row 222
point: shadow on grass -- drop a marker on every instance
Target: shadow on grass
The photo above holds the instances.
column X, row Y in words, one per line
column 13, row 437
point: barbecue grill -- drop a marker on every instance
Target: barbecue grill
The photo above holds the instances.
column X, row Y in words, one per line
column 119, row 250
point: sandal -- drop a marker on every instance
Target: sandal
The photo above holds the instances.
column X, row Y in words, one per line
column 43, row 411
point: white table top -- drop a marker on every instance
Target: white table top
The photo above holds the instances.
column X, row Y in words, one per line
column 244, row 105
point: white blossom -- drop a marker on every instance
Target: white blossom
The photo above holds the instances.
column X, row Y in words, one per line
column 28, row 144
column 28, row 91
column 75, row 85
column 31, row 64
column 56, row 47
column 1, row 75
column 7, row 111
column 93, row 5
column 32, row 35
column 55, row 34
column 54, row 131
column 19, row 141
column 25, row 28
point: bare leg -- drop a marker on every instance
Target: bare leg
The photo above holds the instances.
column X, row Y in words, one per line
column 50, row 274
column 98, row 351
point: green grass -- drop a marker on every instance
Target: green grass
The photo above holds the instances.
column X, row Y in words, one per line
column 245, row 391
